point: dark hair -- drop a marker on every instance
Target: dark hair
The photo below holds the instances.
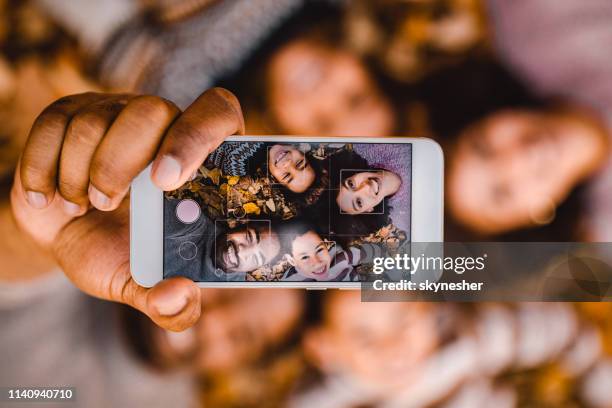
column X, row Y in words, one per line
column 344, row 228
column 481, row 86
column 315, row 18
column 220, row 248
column 289, row 230
column 478, row 87
column 347, row 163
column 312, row 193
column 338, row 226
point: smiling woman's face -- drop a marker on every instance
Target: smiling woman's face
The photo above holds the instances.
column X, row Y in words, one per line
column 513, row 168
column 368, row 340
column 318, row 90
column 363, row 191
column 290, row 167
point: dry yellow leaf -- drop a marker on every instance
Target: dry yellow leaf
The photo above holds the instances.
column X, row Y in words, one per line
column 223, row 189
column 251, row 208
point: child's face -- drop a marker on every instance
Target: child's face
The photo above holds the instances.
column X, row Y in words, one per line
column 310, row 256
column 381, row 344
column 317, row 90
column 513, row 168
column 290, row 167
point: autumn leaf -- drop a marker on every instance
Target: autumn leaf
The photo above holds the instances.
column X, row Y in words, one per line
column 251, row 208
column 223, row 189
column 214, row 175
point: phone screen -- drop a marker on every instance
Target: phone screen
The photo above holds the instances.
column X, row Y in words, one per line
column 301, row 212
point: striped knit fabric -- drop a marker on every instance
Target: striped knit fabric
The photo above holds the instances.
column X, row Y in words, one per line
column 180, row 60
column 233, row 157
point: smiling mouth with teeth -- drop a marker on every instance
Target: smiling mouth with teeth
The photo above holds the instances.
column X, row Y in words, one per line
column 231, row 257
column 320, row 271
column 281, row 156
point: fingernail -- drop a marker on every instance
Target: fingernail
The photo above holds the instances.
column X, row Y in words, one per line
column 170, row 305
column 168, row 172
column 70, row 208
column 36, row 199
column 98, row 198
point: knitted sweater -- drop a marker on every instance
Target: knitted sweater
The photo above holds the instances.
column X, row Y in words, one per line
column 178, row 59
column 233, row 158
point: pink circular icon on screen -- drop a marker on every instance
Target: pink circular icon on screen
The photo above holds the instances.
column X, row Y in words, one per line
column 188, row 211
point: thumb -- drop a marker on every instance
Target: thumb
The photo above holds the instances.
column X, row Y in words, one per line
column 93, row 252
column 174, row 303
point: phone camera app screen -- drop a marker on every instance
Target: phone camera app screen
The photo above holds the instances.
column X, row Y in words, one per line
column 301, row 212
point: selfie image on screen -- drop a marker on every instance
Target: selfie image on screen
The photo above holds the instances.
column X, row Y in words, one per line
column 301, row 212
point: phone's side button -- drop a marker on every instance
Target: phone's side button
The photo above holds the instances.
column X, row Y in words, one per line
column 316, row 288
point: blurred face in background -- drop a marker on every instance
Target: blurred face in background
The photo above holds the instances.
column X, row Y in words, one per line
column 381, row 344
column 317, row 90
column 513, row 168
column 235, row 330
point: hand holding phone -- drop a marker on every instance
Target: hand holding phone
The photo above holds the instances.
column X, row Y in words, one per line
column 70, row 188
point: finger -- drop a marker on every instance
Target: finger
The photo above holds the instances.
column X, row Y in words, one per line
column 42, row 225
column 174, row 303
column 215, row 115
column 127, row 148
column 83, row 135
column 93, row 252
column 39, row 161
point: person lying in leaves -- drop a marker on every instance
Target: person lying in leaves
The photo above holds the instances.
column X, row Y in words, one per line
column 241, row 180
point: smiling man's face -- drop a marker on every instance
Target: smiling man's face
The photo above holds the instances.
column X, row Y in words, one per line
column 246, row 249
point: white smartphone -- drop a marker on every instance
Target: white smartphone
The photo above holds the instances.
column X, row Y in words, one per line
column 281, row 211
